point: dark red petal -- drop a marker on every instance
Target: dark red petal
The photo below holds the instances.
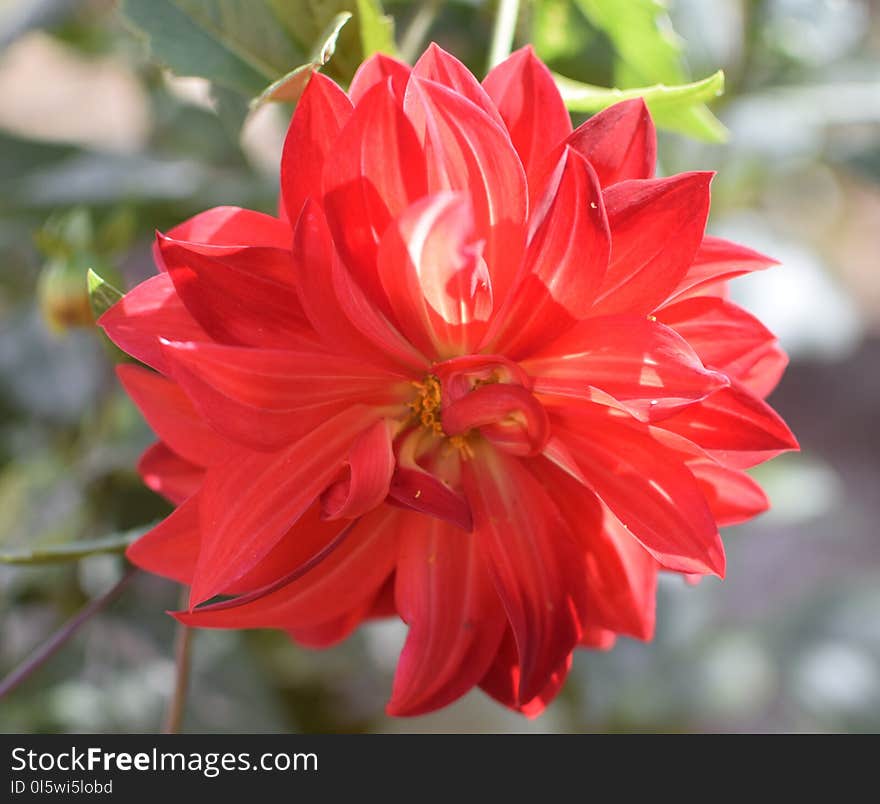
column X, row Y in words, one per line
column 350, row 575
column 320, row 115
column 435, row 64
column 565, row 261
column 172, row 416
column 370, row 466
column 502, row 681
column 377, row 70
column 468, row 151
column 719, row 331
column 244, row 297
column 656, row 227
column 377, row 170
column 621, row 576
column 533, row 561
column 733, row 419
column 642, row 364
column 619, row 142
column 718, row 260
column 647, row 487
column 455, row 619
column 170, row 549
column 434, row 275
column 148, row 312
column 525, row 93
column 732, row 495
column 248, row 505
column 166, row 473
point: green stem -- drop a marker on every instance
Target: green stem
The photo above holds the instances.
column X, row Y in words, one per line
column 183, row 662
column 503, row 32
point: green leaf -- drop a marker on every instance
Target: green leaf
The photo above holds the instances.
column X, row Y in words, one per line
column 73, row 551
column 102, row 295
column 649, row 53
column 290, row 86
column 238, row 44
column 376, row 28
column 663, row 101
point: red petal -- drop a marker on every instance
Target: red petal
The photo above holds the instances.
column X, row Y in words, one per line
column 718, row 260
column 166, row 473
column 733, row 419
column 565, row 262
column 619, row 142
column 320, row 115
column 642, row 364
column 532, row 560
column 148, row 312
column 245, row 297
column 435, row 64
column 377, row 70
column 170, row 549
column 732, row 495
column 621, row 576
column 346, row 322
column 530, row 104
column 233, row 226
column 370, row 466
column 467, row 150
column 331, row 632
column 764, row 373
column 172, row 416
column 377, row 171
column 656, row 228
column 502, row 681
column 719, row 331
column 434, row 275
column 248, row 505
column 349, row 576
column 455, row 619
column 646, row 486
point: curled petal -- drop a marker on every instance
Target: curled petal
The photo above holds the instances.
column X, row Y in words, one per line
column 248, row 505
column 434, row 275
column 466, row 150
column 508, row 415
column 370, row 466
column 377, row 171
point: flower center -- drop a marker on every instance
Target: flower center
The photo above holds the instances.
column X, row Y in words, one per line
column 426, row 406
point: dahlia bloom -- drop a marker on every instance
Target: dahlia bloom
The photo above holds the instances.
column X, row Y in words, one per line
column 480, row 373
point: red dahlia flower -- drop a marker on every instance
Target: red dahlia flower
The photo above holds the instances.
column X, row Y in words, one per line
column 481, row 373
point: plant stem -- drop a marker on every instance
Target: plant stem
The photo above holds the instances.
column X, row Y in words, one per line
column 183, row 662
column 57, row 641
column 502, row 34
column 414, row 36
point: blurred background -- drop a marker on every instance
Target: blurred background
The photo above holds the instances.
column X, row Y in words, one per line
column 100, row 146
